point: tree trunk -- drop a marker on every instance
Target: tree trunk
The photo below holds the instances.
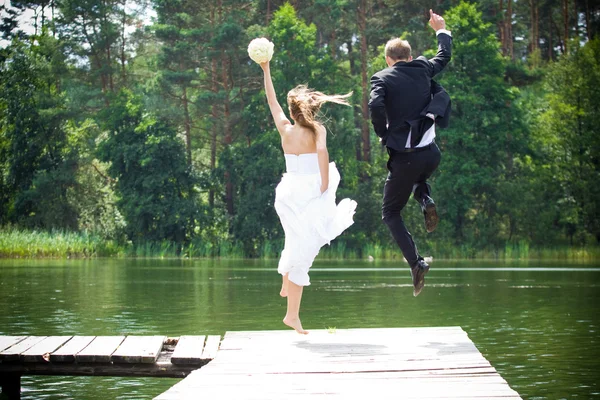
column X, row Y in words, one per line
column 502, row 26
column 587, row 20
column 35, row 24
column 351, row 57
column 550, row 44
column 225, row 65
column 576, row 10
column 566, row 25
column 332, row 44
column 103, row 81
column 110, row 75
column 561, row 42
column 228, row 138
column 508, row 33
column 268, row 16
column 213, row 133
column 365, row 133
column 53, row 25
column 104, row 28
column 537, row 25
column 43, row 17
column 95, row 59
column 123, row 56
column 187, row 126
column 213, row 129
column 534, row 41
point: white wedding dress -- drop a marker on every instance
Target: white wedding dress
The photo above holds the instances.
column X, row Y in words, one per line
column 309, row 219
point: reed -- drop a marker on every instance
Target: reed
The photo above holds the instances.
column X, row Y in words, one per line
column 23, row 243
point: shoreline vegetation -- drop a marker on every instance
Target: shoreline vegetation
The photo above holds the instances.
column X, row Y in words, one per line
column 29, row 244
column 160, row 143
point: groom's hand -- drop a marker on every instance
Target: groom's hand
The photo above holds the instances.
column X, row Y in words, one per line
column 436, row 21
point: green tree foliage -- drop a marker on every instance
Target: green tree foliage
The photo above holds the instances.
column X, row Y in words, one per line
column 93, row 195
column 192, row 126
column 156, row 190
column 94, row 33
column 36, row 162
column 485, row 135
column 568, row 136
column 179, row 32
column 256, row 164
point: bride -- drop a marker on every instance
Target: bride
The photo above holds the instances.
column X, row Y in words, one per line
column 305, row 197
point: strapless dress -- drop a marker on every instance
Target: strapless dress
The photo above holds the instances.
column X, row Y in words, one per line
column 309, row 219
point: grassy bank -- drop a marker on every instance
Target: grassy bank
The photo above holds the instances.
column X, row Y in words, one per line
column 18, row 243
column 517, row 251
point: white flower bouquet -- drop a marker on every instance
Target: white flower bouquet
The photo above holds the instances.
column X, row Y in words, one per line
column 260, row 50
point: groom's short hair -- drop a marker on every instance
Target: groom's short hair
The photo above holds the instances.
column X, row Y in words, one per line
column 397, row 49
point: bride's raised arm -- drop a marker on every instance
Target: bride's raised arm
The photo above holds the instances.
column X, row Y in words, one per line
column 278, row 115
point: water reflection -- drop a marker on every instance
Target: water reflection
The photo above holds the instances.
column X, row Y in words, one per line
column 535, row 322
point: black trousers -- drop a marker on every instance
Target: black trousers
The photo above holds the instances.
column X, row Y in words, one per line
column 408, row 174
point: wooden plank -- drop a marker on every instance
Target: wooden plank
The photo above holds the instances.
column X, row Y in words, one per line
column 40, row 352
column 211, row 347
column 139, row 349
column 7, row 341
column 355, row 332
column 188, row 350
column 13, row 352
column 407, row 363
column 100, row 349
column 67, row 352
column 158, row 369
column 343, row 385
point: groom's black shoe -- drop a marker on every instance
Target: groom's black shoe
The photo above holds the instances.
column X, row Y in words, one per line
column 430, row 214
column 418, row 271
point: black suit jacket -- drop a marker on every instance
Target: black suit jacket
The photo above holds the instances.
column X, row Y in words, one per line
column 439, row 106
column 401, row 92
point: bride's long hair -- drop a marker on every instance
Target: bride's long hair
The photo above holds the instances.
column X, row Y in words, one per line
column 305, row 103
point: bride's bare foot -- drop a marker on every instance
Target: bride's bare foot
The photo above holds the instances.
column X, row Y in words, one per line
column 283, row 292
column 295, row 323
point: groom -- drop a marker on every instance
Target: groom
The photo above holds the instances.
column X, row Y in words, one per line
column 405, row 106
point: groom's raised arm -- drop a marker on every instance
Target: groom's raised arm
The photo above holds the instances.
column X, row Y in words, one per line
column 444, row 38
column 377, row 106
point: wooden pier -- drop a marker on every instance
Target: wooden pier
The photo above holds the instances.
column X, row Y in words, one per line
column 153, row 356
column 390, row 363
column 396, row 363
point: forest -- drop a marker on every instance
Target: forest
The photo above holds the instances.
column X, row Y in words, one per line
column 142, row 127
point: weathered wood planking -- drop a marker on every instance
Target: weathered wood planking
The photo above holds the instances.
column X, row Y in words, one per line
column 139, row 349
column 397, row 363
column 14, row 352
column 100, row 349
column 330, row 386
column 41, row 351
column 96, row 356
column 188, row 350
column 158, row 369
column 7, row 341
column 67, row 352
column 211, row 347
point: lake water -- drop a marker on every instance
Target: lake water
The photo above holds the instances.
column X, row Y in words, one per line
column 536, row 322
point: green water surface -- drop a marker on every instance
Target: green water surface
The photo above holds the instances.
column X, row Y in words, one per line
column 537, row 323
